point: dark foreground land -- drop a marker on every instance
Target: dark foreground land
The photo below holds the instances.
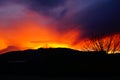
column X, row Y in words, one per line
column 59, row 62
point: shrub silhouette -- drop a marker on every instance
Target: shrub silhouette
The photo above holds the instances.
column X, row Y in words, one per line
column 110, row 43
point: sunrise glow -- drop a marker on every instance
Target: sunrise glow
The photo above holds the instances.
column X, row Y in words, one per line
column 58, row 24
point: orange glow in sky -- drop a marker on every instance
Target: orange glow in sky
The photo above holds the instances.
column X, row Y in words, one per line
column 30, row 32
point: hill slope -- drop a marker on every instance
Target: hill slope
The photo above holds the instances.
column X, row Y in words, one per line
column 59, row 61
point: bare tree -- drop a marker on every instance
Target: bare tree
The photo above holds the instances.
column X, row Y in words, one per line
column 110, row 44
column 116, row 44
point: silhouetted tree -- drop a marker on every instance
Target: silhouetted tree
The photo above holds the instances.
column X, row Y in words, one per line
column 116, row 43
column 109, row 43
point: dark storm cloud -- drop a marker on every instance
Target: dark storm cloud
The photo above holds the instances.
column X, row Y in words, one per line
column 100, row 19
column 2, row 2
column 36, row 4
column 93, row 16
column 47, row 7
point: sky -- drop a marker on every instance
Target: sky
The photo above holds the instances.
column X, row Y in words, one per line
column 22, row 20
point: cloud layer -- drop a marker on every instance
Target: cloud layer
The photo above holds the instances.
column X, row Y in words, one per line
column 90, row 16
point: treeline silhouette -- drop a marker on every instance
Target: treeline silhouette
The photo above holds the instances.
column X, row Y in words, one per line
column 53, row 61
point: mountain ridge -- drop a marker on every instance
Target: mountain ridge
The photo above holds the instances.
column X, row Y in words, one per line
column 54, row 61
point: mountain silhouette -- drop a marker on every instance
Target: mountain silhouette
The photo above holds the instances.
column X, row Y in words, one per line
column 9, row 49
column 54, row 61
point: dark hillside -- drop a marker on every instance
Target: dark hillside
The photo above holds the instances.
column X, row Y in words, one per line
column 59, row 61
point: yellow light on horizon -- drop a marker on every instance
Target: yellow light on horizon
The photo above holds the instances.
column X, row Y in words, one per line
column 47, row 45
